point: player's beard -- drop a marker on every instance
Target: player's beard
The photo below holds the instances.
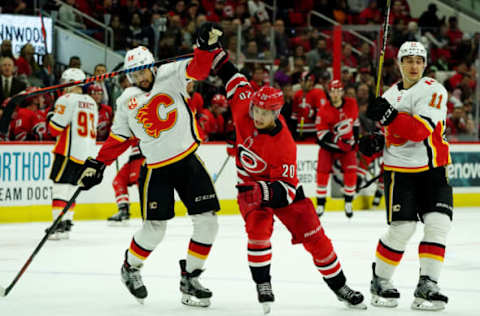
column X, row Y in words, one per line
column 147, row 89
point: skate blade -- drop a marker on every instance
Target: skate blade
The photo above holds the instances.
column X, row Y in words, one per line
column 360, row 305
column 194, row 301
column 267, row 307
column 379, row 301
column 118, row 223
column 425, row 305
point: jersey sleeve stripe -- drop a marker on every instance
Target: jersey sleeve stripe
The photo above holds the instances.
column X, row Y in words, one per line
column 119, row 138
column 238, row 80
column 56, row 126
column 426, row 121
column 321, row 134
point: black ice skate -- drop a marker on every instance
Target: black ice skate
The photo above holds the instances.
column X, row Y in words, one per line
column 377, row 198
column 428, row 296
column 384, row 294
column 265, row 296
column 348, row 209
column 121, row 217
column 133, row 281
column 193, row 293
column 61, row 231
column 351, row 298
column 320, row 210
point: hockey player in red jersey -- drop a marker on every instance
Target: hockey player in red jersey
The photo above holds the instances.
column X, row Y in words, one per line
column 28, row 122
column 126, row 176
column 415, row 157
column 105, row 115
column 211, row 120
column 155, row 111
column 268, row 185
column 306, row 103
column 337, row 133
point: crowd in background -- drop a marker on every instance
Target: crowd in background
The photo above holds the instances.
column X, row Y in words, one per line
column 302, row 56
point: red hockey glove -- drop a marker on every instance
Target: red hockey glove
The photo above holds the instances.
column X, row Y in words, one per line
column 252, row 195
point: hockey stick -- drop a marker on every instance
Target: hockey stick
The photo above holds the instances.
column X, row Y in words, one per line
column 8, row 111
column 216, row 175
column 384, row 47
column 369, row 182
column 4, row 292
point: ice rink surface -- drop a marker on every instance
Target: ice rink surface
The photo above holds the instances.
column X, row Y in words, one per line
column 80, row 276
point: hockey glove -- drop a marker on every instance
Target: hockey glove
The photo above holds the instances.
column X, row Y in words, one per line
column 92, row 174
column 334, row 144
column 371, row 144
column 382, row 111
column 253, row 195
column 208, row 36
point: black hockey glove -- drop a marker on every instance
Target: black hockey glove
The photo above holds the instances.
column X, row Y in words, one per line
column 371, row 144
column 208, row 36
column 382, row 111
column 92, row 174
column 334, row 144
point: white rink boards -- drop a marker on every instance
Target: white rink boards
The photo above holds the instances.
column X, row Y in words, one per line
column 80, row 276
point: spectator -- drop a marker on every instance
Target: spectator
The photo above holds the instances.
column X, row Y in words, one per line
column 6, row 49
column 429, row 21
column 45, row 73
column 212, row 121
column 371, row 14
column 26, row 64
column 348, row 59
column 413, row 34
column 123, row 83
column 28, row 123
column 119, row 31
column 398, row 12
column 357, row 6
column 340, row 12
column 282, row 75
column 171, row 40
column 135, row 34
column 298, row 69
column 106, row 86
column 66, row 15
column 258, row 77
column 319, row 53
column 252, row 51
column 75, row 62
column 105, row 115
column 281, row 39
column 458, row 124
column 239, row 60
column 10, row 84
column 454, row 34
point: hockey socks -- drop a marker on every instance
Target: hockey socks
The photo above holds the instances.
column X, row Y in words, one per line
column 136, row 254
column 259, row 258
column 197, row 255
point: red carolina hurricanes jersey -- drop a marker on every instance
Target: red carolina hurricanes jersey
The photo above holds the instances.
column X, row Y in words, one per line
column 28, row 125
column 338, row 121
column 261, row 156
column 306, row 105
column 105, row 118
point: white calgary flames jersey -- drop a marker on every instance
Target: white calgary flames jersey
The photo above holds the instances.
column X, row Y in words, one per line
column 160, row 118
column 75, row 117
column 426, row 101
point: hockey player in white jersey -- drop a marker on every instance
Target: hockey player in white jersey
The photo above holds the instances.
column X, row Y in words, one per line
column 155, row 110
column 415, row 154
column 74, row 123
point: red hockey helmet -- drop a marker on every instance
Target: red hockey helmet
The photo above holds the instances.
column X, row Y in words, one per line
column 94, row 88
column 335, row 84
column 29, row 99
column 268, row 98
column 219, row 100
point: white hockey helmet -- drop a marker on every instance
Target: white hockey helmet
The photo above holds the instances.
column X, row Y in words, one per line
column 412, row 49
column 138, row 56
column 72, row 74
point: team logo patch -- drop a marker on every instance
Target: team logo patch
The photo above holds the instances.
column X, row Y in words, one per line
column 396, row 208
column 158, row 115
column 250, row 161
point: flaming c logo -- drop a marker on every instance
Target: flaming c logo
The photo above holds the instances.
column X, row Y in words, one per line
column 156, row 116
